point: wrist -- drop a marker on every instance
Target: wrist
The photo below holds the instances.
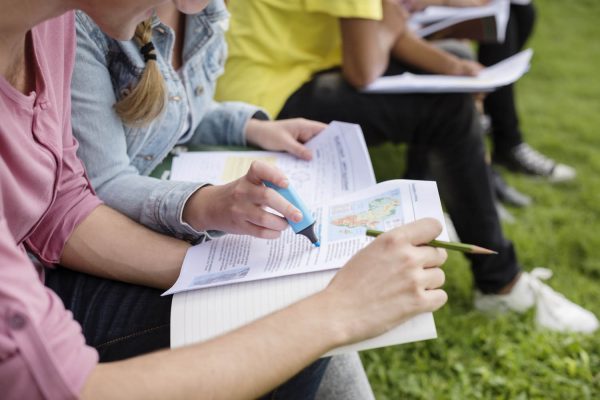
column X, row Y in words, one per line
column 324, row 316
column 196, row 211
column 252, row 131
column 452, row 66
column 331, row 317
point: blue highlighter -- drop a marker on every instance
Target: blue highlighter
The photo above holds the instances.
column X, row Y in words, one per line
column 306, row 226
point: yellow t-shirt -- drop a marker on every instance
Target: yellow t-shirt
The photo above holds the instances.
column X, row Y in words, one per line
column 277, row 45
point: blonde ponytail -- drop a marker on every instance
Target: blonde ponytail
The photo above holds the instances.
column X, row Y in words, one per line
column 148, row 98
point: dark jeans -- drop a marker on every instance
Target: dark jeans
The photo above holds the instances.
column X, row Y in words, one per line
column 500, row 105
column 444, row 129
column 122, row 320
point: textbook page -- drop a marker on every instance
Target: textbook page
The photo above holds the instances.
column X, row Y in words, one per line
column 340, row 164
column 341, row 228
column 501, row 74
column 199, row 315
column 436, row 18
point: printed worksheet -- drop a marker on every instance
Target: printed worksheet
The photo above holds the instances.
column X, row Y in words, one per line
column 340, row 164
column 341, row 228
column 436, row 18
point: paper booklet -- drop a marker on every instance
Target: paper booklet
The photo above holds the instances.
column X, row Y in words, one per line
column 501, row 74
column 487, row 22
column 242, row 278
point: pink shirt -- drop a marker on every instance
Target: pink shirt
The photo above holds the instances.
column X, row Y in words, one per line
column 44, row 194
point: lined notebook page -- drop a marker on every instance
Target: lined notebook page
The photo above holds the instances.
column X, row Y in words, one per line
column 203, row 314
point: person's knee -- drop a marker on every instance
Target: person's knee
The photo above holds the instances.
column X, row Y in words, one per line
column 460, row 116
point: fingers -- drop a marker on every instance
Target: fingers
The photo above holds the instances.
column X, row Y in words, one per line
column 307, row 129
column 249, row 228
column 265, row 219
column 416, row 233
column 433, row 278
column 265, row 196
column 297, row 149
column 436, row 299
column 472, row 68
column 260, row 171
column 433, row 257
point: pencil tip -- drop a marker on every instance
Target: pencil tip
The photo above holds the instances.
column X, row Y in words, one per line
column 483, row 250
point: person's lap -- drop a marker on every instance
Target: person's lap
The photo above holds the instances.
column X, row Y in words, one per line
column 445, row 129
column 124, row 320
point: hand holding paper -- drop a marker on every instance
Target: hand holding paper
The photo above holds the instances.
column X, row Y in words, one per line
column 488, row 79
column 284, row 135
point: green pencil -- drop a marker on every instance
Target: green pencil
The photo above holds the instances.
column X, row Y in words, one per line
column 465, row 248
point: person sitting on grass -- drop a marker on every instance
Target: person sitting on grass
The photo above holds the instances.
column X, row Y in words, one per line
column 309, row 58
column 509, row 148
column 137, row 108
column 47, row 206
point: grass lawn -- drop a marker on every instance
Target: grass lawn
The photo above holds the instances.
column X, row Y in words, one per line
column 506, row 357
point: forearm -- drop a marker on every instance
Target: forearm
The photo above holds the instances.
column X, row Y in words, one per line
column 240, row 365
column 425, row 3
column 366, row 46
column 110, row 245
column 413, row 50
column 391, row 280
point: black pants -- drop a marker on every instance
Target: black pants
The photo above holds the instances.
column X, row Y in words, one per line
column 500, row 105
column 445, row 130
column 122, row 320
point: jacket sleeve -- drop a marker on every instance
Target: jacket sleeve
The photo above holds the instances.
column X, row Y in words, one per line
column 225, row 123
column 155, row 203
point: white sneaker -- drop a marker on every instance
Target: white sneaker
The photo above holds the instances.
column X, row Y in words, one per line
column 524, row 158
column 553, row 310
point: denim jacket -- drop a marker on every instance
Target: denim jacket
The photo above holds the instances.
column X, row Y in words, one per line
column 118, row 158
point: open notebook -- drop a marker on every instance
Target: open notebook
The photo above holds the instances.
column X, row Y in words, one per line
column 244, row 287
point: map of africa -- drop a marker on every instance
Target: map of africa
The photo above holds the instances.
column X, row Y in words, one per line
column 382, row 213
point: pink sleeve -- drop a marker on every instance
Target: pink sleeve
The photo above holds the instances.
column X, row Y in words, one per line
column 42, row 351
column 75, row 198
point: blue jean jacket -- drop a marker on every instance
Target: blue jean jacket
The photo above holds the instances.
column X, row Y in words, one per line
column 119, row 158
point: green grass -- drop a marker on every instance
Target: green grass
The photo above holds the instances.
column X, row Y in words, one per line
column 507, row 357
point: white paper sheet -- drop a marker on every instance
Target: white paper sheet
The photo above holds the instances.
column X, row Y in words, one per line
column 436, row 18
column 200, row 315
column 504, row 73
column 341, row 230
column 340, row 164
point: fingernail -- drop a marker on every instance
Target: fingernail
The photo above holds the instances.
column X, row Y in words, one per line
column 297, row 216
column 284, row 183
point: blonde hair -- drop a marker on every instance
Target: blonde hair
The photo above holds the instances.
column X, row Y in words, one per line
column 148, row 98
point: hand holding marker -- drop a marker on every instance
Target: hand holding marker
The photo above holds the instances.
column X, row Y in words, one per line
column 306, row 226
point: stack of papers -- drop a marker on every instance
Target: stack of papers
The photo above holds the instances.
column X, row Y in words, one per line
column 242, row 278
column 504, row 73
column 437, row 18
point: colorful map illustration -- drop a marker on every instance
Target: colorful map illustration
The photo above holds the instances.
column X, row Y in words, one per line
column 352, row 219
